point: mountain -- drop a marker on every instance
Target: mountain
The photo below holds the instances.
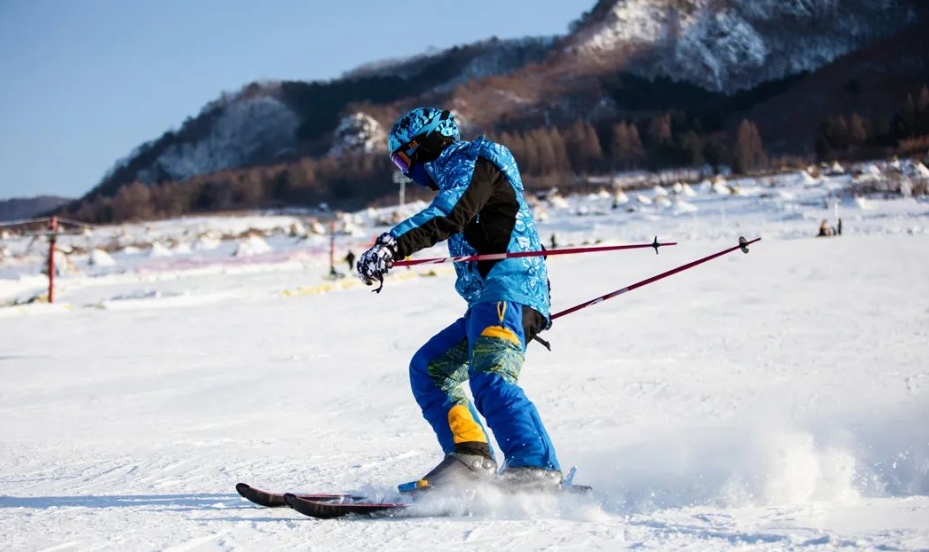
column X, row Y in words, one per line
column 872, row 81
column 716, row 60
column 24, row 208
column 270, row 121
column 726, row 46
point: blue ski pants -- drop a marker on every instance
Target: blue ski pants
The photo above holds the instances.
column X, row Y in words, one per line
column 487, row 347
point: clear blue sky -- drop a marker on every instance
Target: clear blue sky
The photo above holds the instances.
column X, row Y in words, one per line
column 83, row 82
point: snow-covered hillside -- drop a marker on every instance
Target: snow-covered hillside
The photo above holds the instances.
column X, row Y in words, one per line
column 769, row 401
column 730, row 46
column 358, row 132
column 239, row 131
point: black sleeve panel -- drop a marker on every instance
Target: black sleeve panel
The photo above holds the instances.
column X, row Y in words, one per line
column 470, row 203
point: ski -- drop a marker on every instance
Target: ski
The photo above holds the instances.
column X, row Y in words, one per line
column 276, row 500
column 361, row 507
column 330, row 509
column 330, row 506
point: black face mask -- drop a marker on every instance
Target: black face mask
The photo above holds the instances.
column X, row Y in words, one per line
column 419, row 175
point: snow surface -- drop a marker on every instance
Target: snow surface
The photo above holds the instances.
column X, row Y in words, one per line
column 770, row 401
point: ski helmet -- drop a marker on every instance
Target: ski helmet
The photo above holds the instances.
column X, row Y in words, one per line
column 411, row 130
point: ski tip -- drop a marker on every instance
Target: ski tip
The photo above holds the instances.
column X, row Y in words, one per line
column 569, row 479
column 242, row 488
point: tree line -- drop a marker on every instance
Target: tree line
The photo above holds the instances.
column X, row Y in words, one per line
column 546, row 156
column 860, row 137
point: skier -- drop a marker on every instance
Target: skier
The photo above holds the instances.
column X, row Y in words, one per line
column 479, row 209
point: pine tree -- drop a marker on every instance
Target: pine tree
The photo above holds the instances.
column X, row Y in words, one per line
column 692, row 147
column 592, row 149
column 857, row 131
column 132, row 202
column 620, row 147
column 560, row 161
column 922, row 112
column 905, row 121
column 546, row 152
column 626, row 151
column 532, row 153
column 715, row 153
column 517, row 146
column 636, row 149
column 574, row 138
column 749, row 153
column 659, row 130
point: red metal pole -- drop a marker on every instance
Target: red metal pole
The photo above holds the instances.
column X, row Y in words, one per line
column 743, row 245
column 518, row 254
column 53, row 233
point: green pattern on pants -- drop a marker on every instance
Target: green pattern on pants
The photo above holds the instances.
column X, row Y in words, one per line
column 450, row 370
column 498, row 356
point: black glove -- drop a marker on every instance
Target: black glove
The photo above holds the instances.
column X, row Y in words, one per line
column 375, row 262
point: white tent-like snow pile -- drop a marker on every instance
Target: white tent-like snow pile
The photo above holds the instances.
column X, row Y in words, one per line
column 99, row 257
column 251, row 246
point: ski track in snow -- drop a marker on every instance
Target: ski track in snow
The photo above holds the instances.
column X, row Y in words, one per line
column 770, row 401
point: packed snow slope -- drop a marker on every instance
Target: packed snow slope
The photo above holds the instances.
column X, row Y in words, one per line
column 770, row 401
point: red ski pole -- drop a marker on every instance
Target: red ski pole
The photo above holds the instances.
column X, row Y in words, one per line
column 743, row 245
column 547, row 253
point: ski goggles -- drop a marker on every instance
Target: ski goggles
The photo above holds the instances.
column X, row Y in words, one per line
column 403, row 157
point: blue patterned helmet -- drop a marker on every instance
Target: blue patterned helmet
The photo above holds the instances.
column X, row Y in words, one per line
column 410, row 131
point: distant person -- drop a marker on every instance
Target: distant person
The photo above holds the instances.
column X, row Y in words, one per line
column 350, row 259
column 825, row 230
column 839, row 228
column 554, row 242
column 479, row 209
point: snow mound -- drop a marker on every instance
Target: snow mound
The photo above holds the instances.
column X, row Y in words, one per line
column 807, row 179
column 682, row 207
column 317, row 228
column 721, row 188
column 99, row 257
column 920, row 170
column 558, row 202
column 206, row 243
column 158, row 250
column 663, row 201
column 253, row 245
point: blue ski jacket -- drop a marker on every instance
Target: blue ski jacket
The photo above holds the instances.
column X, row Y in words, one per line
column 480, row 209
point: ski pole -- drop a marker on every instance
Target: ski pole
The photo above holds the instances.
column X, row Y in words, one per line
column 547, row 252
column 743, row 245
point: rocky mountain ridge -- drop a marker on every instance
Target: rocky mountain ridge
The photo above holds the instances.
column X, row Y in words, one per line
column 621, row 52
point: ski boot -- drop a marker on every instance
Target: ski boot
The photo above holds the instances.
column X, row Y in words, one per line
column 532, row 479
column 456, row 470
